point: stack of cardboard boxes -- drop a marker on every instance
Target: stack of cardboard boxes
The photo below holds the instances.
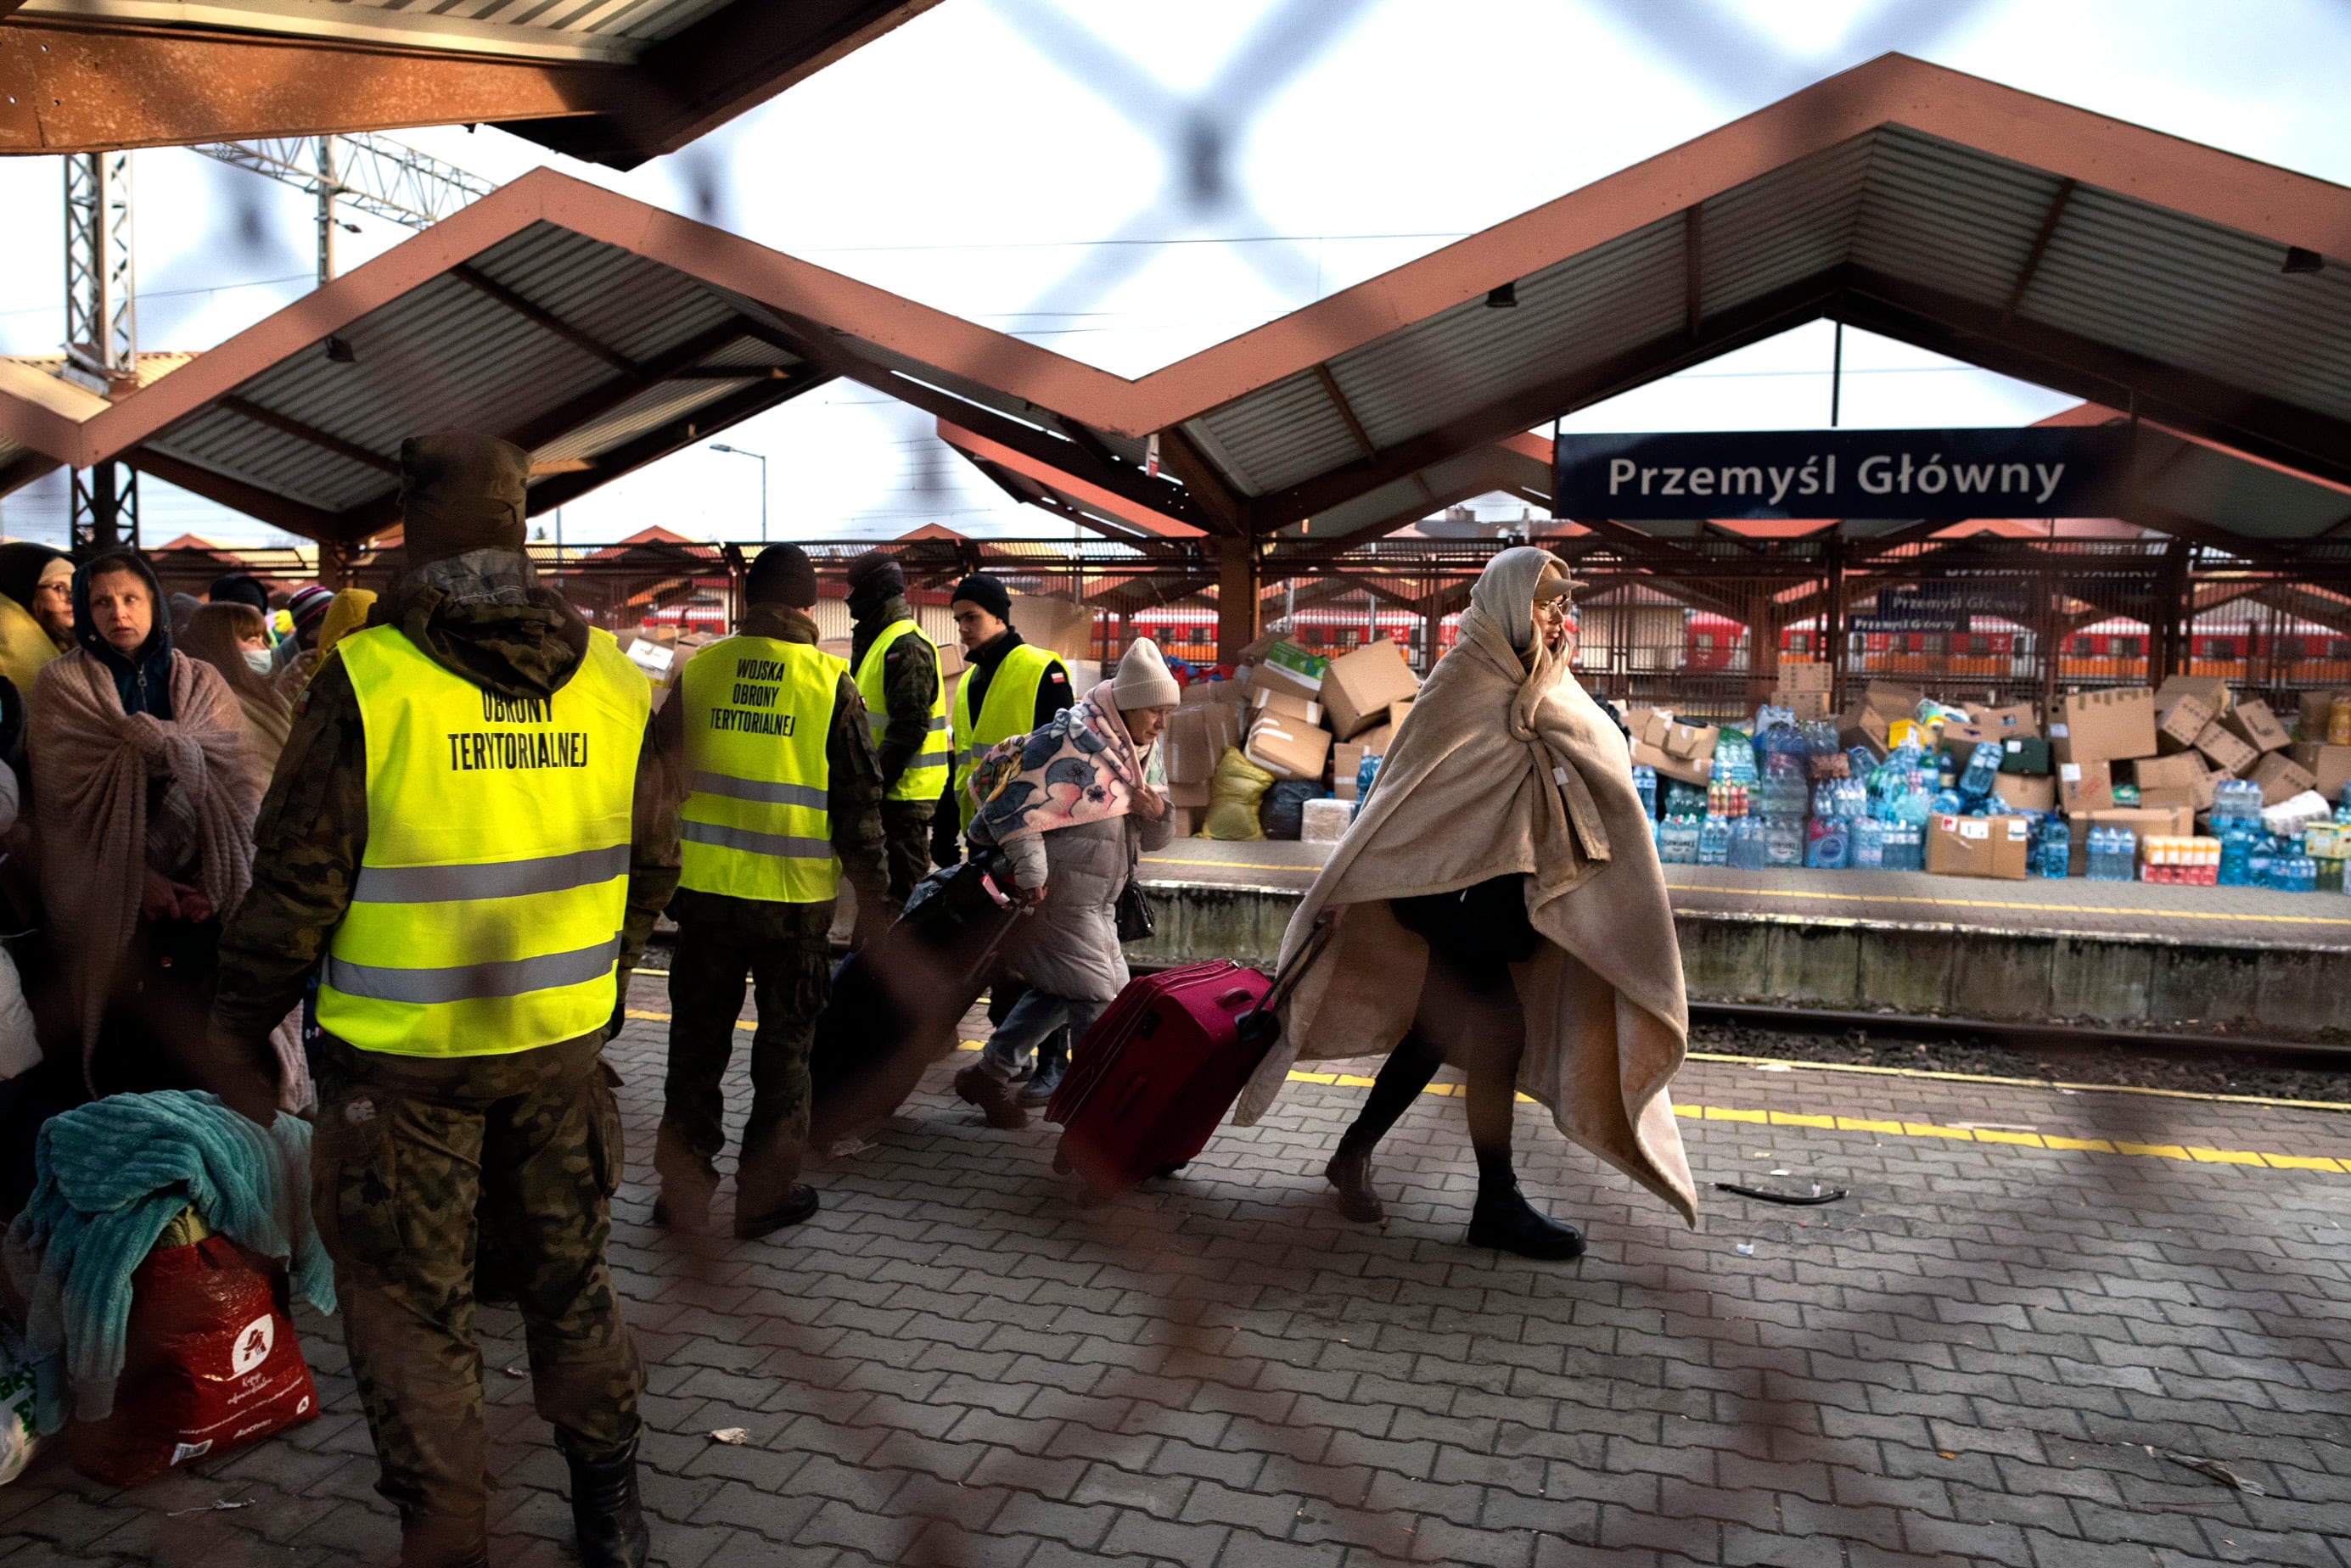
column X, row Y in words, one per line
column 1294, row 714
column 1675, row 749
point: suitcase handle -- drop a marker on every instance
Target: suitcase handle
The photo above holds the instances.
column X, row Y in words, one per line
column 1258, row 1026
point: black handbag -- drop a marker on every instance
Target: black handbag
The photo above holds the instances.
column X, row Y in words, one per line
column 1134, row 920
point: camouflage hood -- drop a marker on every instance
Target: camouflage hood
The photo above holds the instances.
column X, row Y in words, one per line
column 482, row 616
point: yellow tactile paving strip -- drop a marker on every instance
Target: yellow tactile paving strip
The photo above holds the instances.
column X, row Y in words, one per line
column 2187, row 1153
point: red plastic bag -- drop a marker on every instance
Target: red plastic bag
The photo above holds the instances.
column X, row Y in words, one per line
column 210, row 1364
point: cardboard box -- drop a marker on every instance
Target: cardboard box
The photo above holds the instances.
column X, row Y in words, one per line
column 2280, row 777
column 1057, row 624
column 2176, row 821
column 1669, row 766
column 1193, row 795
column 1286, row 667
column 2230, row 752
column 1376, row 742
column 2329, row 766
column 2180, row 772
column 2316, row 709
column 1806, row 706
column 1650, row 724
column 1796, row 680
column 1993, row 847
column 2208, row 789
column 1288, row 749
column 2015, row 722
column 1190, row 749
column 2257, row 726
column 2106, row 726
column 2028, row 754
column 2168, row 797
column 1324, row 821
column 1274, row 699
column 1346, row 763
column 2086, row 786
column 2028, row 792
column 1397, row 713
column 1862, row 725
column 2209, row 689
column 1894, row 702
column 2180, row 719
column 1692, row 743
column 1359, row 686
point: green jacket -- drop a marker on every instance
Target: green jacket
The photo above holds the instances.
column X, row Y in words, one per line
column 910, row 677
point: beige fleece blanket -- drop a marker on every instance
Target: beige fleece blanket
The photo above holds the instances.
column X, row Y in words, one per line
column 91, row 765
column 1500, row 771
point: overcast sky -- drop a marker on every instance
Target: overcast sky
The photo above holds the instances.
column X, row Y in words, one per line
column 1127, row 183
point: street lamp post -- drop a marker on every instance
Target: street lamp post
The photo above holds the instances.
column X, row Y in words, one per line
column 739, row 452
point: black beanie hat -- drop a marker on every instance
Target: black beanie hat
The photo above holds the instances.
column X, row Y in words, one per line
column 239, row 588
column 985, row 591
column 876, row 575
column 461, row 492
column 782, row 575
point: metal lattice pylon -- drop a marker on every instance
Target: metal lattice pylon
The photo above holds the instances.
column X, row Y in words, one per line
column 375, row 175
column 101, row 329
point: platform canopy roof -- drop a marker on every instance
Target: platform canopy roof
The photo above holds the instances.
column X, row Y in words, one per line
column 2209, row 293
column 2133, row 269
column 613, row 81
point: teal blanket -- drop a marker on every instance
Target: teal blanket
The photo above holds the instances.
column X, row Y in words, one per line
column 110, row 1176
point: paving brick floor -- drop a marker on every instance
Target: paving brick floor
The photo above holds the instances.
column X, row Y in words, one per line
column 957, row 1364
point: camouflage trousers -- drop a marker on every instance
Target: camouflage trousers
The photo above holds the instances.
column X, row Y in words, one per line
column 782, row 947
column 406, row 1150
column 906, row 843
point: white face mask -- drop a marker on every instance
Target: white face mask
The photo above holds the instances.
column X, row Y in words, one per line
column 259, row 658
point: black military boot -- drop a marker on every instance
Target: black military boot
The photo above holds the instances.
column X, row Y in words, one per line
column 607, row 1511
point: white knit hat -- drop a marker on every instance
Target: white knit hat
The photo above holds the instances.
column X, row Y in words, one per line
column 1143, row 679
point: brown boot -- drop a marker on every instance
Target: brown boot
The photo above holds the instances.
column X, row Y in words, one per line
column 687, row 1184
column 993, row 1096
column 1349, row 1171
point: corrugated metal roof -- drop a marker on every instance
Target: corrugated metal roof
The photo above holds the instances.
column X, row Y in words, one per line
column 1929, row 213
column 448, row 355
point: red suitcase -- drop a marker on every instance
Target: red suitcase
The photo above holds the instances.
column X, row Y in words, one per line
column 1160, row 1067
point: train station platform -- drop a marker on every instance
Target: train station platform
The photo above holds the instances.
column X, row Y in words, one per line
column 1985, row 1356
column 2232, row 960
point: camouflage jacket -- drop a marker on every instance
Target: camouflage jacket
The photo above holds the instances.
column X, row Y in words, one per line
column 480, row 617
column 910, row 677
column 854, row 782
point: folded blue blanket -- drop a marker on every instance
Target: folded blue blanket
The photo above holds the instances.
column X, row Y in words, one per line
column 111, row 1175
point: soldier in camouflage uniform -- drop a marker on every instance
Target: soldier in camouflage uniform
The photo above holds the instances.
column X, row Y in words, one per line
column 758, row 891
column 910, row 679
column 415, row 1134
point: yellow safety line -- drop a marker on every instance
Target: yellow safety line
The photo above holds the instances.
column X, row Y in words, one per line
column 1890, row 1128
column 2020, row 1083
column 2007, row 904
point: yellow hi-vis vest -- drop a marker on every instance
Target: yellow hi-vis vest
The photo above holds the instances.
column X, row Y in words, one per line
column 926, row 774
column 758, row 823
column 1010, row 709
column 487, row 917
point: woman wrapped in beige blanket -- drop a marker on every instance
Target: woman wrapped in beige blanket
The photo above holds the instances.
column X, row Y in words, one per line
column 1498, row 904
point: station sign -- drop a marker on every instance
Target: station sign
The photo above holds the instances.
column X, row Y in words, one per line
column 1949, row 475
